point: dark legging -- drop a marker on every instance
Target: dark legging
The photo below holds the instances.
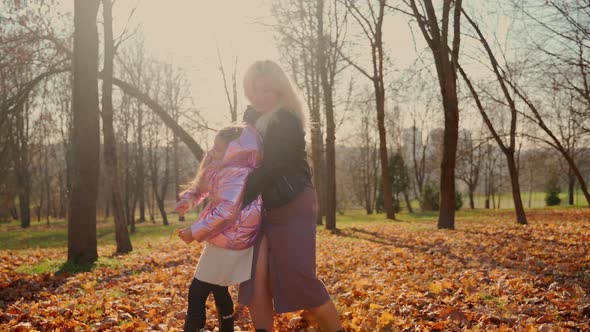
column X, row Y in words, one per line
column 198, row 293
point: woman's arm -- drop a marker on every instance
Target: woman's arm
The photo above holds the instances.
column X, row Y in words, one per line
column 225, row 204
column 284, row 145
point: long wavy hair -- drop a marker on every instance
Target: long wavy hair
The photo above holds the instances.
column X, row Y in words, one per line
column 288, row 93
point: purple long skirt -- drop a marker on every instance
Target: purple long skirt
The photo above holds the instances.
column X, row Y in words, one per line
column 291, row 234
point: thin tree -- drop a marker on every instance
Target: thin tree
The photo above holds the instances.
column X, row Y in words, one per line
column 110, row 151
column 297, row 44
column 469, row 165
column 232, row 97
column 509, row 149
column 372, row 27
column 446, row 59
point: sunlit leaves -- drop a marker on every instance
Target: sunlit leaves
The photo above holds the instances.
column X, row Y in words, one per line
column 489, row 275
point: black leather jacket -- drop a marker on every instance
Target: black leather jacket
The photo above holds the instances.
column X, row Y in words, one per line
column 285, row 171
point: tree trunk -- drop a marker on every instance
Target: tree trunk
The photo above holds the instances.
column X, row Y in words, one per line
column 317, row 157
column 330, row 208
column 386, row 179
column 46, row 181
column 23, row 176
column 513, row 171
column 446, row 60
column 176, row 171
column 82, row 247
column 161, row 207
column 446, row 217
column 471, row 197
column 571, row 184
column 140, row 167
column 408, row 203
column 110, row 151
column 23, row 182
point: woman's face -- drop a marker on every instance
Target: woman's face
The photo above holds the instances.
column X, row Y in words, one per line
column 265, row 97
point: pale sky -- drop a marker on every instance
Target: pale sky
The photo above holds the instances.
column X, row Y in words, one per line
column 187, row 33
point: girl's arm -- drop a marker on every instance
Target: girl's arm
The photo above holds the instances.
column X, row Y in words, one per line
column 225, row 204
column 190, row 198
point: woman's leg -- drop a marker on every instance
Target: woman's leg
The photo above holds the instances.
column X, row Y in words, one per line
column 197, row 298
column 261, row 309
column 327, row 317
column 225, row 308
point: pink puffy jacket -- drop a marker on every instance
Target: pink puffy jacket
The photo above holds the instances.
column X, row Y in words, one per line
column 223, row 222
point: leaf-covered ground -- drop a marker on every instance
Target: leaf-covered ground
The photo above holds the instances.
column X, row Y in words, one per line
column 488, row 275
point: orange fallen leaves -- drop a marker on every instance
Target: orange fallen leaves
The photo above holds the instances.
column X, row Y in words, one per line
column 489, row 275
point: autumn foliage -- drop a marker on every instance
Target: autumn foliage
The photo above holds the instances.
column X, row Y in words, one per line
column 488, row 275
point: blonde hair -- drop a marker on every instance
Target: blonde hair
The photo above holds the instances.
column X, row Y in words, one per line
column 288, row 93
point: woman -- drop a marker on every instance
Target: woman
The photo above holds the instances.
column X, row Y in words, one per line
column 283, row 269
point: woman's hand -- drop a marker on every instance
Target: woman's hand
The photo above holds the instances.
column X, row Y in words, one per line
column 186, row 235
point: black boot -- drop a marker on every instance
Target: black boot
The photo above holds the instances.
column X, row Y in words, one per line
column 226, row 323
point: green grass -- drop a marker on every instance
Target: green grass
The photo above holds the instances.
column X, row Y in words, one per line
column 537, row 200
column 58, row 266
column 54, row 235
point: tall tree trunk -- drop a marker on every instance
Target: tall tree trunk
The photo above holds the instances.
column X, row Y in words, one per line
column 82, row 247
column 446, row 217
column 140, row 167
column 317, row 151
column 316, row 158
column 446, row 61
column 110, row 150
column 386, row 179
column 23, row 176
column 46, row 181
column 330, row 208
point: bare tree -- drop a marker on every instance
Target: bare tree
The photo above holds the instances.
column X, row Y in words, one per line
column 371, row 23
column 309, row 43
column 329, row 44
column 365, row 167
column 509, row 149
column 110, row 153
column 232, row 97
column 446, row 59
column 469, row 164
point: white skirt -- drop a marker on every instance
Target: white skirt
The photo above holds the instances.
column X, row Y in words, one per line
column 224, row 267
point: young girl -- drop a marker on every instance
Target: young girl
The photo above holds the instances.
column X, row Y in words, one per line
column 229, row 229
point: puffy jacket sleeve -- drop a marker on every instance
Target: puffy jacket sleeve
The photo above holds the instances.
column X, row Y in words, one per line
column 225, row 204
column 193, row 197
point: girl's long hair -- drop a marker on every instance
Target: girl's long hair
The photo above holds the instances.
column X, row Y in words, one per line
column 290, row 99
column 227, row 134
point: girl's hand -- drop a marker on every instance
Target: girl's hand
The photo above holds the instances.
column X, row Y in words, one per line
column 186, row 235
column 181, row 207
